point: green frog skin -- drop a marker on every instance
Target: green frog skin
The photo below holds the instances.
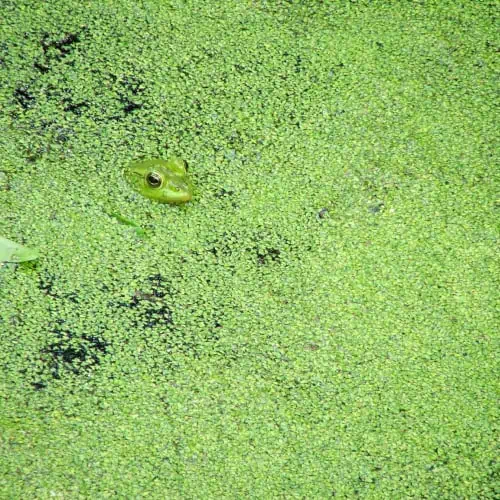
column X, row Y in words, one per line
column 165, row 181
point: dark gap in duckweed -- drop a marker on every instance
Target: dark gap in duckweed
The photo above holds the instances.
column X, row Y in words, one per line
column 150, row 316
column 235, row 138
column 152, row 310
column 240, row 69
column 62, row 45
column 42, row 67
column 222, row 246
column 197, row 105
column 5, row 50
column 222, row 193
column 34, row 152
column 75, row 108
column 182, row 70
column 70, row 354
column 323, row 213
column 56, row 48
column 77, row 353
column 376, row 207
column 153, row 317
column 298, row 64
column 46, row 284
column 38, row 386
column 268, row 255
column 493, row 46
column 133, row 84
column 130, row 106
column 24, row 98
column 127, row 87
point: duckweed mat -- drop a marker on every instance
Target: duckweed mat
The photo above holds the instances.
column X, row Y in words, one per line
column 321, row 320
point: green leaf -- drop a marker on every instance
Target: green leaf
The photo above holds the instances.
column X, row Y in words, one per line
column 13, row 252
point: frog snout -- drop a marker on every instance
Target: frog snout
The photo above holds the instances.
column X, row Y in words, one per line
column 180, row 190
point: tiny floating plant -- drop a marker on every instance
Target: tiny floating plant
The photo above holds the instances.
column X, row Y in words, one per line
column 165, row 181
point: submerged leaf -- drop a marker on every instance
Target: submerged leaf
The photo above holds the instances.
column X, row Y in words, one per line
column 140, row 232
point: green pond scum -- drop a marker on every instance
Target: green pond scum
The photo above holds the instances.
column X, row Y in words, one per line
column 310, row 311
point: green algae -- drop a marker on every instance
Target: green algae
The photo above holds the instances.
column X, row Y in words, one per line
column 250, row 346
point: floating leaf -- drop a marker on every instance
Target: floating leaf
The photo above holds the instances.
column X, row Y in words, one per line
column 13, row 252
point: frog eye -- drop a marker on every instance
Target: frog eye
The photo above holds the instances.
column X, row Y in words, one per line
column 154, row 179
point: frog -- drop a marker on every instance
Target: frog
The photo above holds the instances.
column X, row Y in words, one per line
column 164, row 181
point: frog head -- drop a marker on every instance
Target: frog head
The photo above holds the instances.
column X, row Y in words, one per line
column 165, row 181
